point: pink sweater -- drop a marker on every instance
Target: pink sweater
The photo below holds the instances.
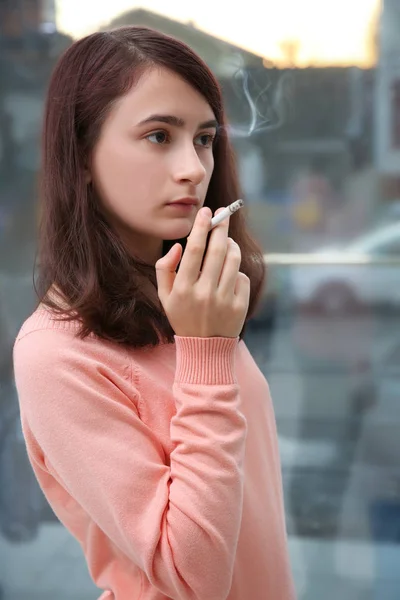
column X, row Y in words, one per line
column 163, row 463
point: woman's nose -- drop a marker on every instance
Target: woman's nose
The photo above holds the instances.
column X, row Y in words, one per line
column 189, row 167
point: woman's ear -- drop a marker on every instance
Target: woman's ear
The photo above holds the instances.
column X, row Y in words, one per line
column 88, row 176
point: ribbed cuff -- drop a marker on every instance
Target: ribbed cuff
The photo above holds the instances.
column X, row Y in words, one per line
column 208, row 361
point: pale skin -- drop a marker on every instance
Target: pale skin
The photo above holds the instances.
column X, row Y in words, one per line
column 155, row 148
column 138, row 166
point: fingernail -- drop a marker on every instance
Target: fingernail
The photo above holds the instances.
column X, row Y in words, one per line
column 205, row 212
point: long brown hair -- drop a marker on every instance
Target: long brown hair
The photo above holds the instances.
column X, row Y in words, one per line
column 80, row 255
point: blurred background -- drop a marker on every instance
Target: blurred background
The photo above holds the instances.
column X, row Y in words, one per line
column 312, row 90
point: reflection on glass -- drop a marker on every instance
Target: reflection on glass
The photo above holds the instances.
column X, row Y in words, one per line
column 314, row 108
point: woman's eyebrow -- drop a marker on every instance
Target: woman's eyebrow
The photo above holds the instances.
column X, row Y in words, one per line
column 176, row 121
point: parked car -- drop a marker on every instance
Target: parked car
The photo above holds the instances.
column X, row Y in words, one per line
column 344, row 278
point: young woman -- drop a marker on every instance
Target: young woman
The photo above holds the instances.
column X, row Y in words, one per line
column 147, row 422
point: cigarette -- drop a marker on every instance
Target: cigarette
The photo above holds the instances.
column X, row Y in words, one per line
column 224, row 214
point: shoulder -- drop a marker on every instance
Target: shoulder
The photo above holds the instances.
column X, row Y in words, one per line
column 43, row 319
column 45, row 343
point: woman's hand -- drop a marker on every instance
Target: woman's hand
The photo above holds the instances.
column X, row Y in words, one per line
column 212, row 302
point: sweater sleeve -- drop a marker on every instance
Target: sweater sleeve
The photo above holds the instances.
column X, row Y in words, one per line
column 179, row 519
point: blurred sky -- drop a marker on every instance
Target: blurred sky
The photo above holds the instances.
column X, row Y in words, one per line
column 328, row 31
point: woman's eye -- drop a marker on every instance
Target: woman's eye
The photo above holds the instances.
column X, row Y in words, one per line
column 158, row 137
column 205, row 140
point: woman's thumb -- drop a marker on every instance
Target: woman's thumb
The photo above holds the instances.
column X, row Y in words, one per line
column 166, row 270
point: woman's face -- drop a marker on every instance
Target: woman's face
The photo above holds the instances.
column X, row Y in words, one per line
column 155, row 148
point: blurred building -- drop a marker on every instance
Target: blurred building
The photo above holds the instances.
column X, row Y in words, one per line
column 20, row 18
column 27, row 36
column 29, row 47
column 223, row 58
column 387, row 105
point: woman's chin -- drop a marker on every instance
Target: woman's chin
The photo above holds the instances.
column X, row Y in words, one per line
column 179, row 230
